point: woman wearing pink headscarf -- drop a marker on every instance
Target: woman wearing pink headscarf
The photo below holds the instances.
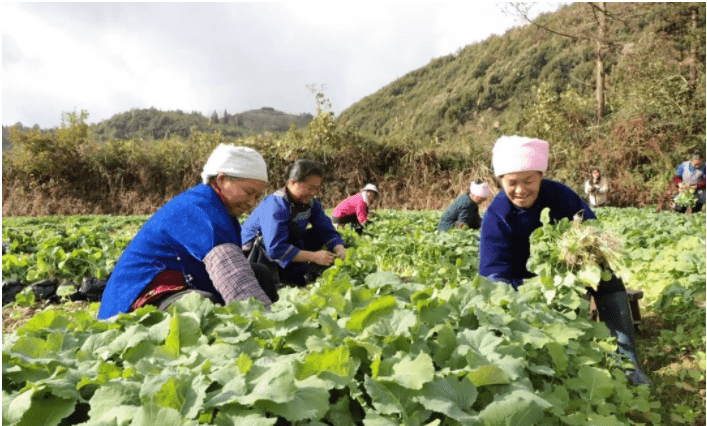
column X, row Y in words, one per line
column 464, row 211
column 504, row 244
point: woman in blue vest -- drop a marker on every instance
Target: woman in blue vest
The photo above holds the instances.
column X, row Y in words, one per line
column 519, row 163
column 192, row 244
column 282, row 220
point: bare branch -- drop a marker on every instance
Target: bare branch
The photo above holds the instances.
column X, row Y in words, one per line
column 523, row 11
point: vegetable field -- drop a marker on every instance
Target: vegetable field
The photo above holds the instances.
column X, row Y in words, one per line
column 403, row 332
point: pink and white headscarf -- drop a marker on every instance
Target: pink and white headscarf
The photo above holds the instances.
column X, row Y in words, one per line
column 479, row 189
column 512, row 154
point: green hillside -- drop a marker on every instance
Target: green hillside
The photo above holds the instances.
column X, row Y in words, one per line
column 488, row 88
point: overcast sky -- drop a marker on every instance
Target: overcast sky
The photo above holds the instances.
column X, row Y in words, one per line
column 107, row 58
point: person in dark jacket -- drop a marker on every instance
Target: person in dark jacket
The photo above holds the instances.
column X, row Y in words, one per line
column 464, row 211
column 282, row 220
column 192, row 244
column 514, row 214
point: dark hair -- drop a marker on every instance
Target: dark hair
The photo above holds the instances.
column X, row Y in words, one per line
column 304, row 168
column 698, row 154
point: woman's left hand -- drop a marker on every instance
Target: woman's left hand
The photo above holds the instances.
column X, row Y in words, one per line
column 340, row 252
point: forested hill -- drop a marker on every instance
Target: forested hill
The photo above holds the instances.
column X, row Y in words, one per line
column 153, row 123
column 653, row 53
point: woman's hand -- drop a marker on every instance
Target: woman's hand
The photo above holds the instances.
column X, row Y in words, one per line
column 340, row 252
column 323, row 257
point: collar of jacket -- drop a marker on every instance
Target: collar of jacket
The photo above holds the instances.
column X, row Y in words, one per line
column 297, row 207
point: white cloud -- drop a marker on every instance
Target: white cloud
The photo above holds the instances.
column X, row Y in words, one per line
column 110, row 57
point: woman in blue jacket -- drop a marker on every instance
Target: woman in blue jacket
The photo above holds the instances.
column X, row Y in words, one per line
column 282, row 220
column 514, row 214
column 192, row 244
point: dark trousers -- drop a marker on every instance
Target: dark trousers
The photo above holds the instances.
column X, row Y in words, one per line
column 268, row 280
column 351, row 219
column 614, row 285
column 301, row 274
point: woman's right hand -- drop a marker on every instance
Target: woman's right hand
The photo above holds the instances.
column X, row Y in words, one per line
column 323, row 257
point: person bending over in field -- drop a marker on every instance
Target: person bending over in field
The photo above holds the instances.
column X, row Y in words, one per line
column 464, row 211
column 192, row 244
column 514, row 214
column 281, row 222
column 355, row 209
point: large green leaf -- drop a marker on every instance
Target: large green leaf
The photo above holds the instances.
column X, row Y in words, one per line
column 451, row 397
column 38, row 406
column 377, row 309
column 236, row 416
column 333, row 360
column 517, row 408
column 112, row 394
column 488, row 375
column 184, row 331
column 271, row 380
column 413, row 373
column 597, row 382
column 310, row 401
column 385, row 400
column 151, row 415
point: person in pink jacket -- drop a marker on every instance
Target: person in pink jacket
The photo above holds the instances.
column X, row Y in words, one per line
column 354, row 210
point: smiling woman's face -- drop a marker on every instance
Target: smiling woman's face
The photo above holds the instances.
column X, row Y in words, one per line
column 303, row 192
column 240, row 195
column 522, row 187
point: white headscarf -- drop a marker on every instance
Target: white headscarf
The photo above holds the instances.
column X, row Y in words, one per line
column 235, row 161
column 370, row 187
column 364, row 191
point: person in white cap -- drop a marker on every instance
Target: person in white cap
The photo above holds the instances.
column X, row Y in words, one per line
column 513, row 215
column 355, row 209
column 282, row 220
column 464, row 211
column 192, row 244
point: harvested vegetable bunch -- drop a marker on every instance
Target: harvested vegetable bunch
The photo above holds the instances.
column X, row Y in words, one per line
column 579, row 251
column 584, row 245
column 685, row 199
